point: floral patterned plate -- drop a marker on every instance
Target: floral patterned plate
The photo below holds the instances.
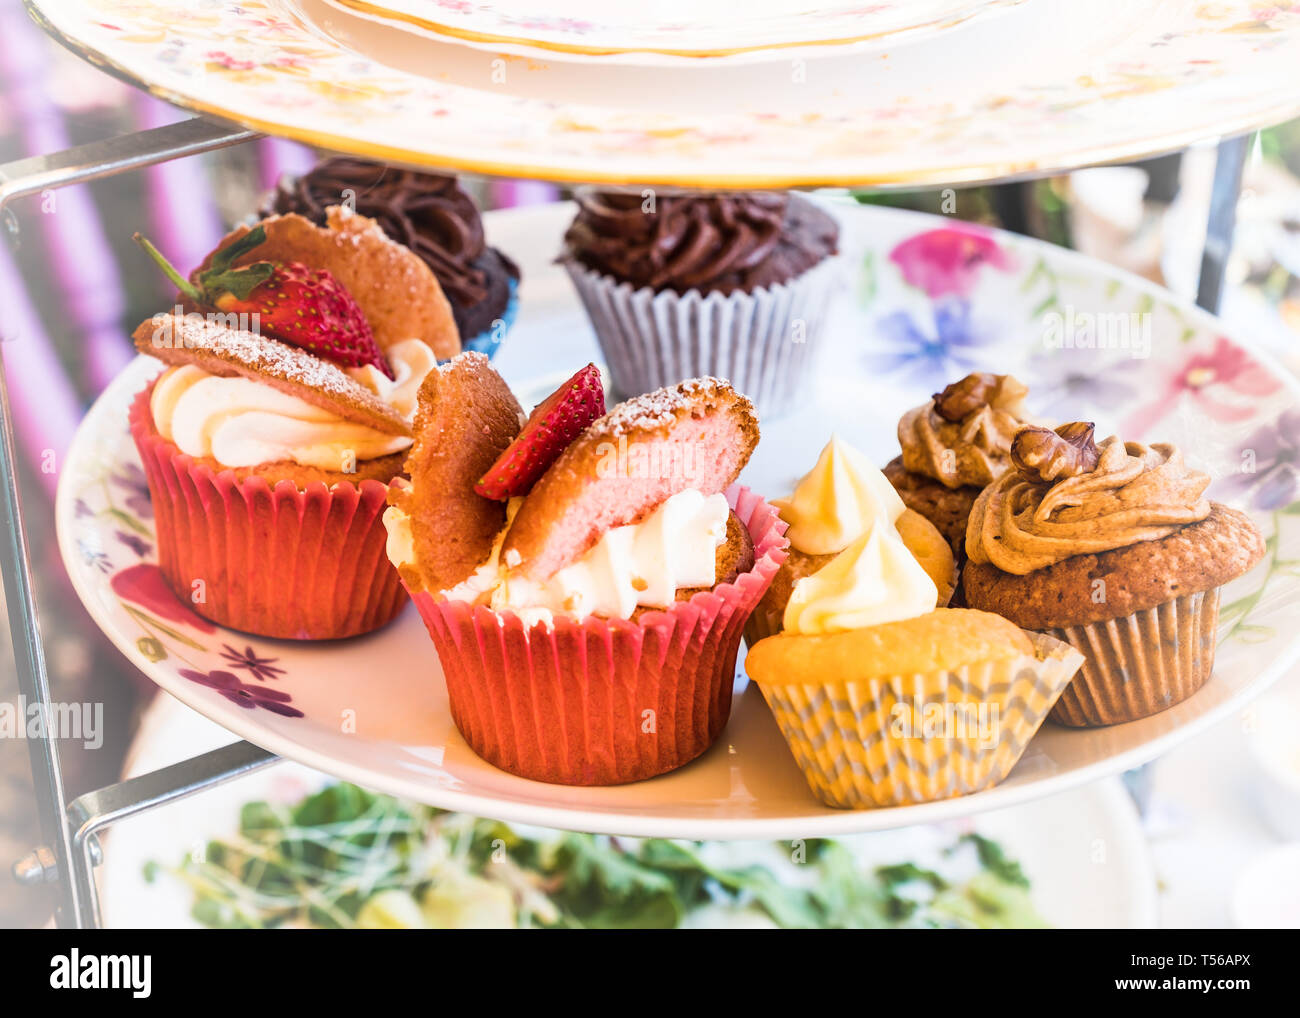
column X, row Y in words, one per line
column 926, row 300
column 1046, row 86
column 673, row 28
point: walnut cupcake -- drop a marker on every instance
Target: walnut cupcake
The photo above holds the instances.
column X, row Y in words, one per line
column 954, row 445
column 730, row 285
column 1115, row 549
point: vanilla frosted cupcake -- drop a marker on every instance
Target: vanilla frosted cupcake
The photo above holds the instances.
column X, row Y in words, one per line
column 846, row 524
column 956, row 444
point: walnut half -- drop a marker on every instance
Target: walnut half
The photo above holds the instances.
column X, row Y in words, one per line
column 1044, row 456
column 962, row 398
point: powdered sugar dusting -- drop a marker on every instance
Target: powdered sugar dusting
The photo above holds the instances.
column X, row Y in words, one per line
column 659, row 409
column 193, row 339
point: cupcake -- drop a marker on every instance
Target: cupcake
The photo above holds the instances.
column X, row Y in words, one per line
column 732, row 285
column 835, row 507
column 955, row 445
column 283, row 415
column 585, row 577
column 1114, row 548
column 917, row 705
column 433, row 216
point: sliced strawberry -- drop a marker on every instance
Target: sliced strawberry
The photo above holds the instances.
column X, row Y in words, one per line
column 305, row 307
column 552, row 425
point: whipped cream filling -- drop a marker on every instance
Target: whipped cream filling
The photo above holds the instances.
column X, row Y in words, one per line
column 240, row 422
column 639, row 565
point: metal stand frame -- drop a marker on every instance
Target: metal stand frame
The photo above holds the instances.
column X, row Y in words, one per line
column 71, row 851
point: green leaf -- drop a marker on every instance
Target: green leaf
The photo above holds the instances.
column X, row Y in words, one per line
column 127, row 520
column 993, row 857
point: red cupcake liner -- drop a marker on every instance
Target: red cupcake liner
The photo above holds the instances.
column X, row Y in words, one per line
column 602, row 701
column 278, row 561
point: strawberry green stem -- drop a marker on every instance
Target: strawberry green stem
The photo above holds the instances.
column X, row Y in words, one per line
column 182, row 284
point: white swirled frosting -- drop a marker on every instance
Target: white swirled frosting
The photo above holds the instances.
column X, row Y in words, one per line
column 240, row 422
column 640, row 565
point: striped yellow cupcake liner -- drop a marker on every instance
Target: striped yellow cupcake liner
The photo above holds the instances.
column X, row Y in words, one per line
column 903, row 739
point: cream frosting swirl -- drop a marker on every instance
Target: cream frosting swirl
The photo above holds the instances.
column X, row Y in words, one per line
column 837, row 501
column 972, row 451
column 1136, row 493
column 639, row 565
column 241, row 422
column 876, row 579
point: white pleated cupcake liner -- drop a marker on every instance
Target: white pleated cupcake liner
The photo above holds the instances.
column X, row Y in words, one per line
column 1140, row 664
column 765, row 342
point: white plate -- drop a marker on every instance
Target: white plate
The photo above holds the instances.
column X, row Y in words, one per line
column 893, row 345
column 672, row 29
column 1052, row 84
column 1084, row 851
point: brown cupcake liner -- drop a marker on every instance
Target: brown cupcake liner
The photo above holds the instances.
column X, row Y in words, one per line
column 1140, row 664
column 277, row 561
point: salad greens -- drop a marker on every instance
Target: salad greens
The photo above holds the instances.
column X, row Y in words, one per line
column 345, row 857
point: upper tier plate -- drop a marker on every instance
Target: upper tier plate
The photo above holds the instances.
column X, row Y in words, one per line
column 673, row 29
column 1046, row 87
column 374, row 710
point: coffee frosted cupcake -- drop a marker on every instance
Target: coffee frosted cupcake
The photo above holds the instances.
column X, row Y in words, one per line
column 956, row 444
column 1114, row 548
column 732, row 285
column 831, row 517
column 433, row 216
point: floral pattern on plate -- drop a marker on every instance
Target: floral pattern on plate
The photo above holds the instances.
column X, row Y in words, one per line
column 1129, row 82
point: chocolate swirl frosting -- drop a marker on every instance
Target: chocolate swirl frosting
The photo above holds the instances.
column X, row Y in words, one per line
column 970, row 451
column 715, row 243
column 429, row 213
column 1135, row 493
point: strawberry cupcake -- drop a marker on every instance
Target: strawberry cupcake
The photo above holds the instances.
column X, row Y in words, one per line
column 293, row 362
column 585, row 576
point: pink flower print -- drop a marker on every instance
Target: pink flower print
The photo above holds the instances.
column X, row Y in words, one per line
column 145, row 585
column 948, row 260
column 230, row 63
column 1205, row 378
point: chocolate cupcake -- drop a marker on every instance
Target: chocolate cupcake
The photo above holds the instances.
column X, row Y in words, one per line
column 433, row 216
column 1114, row 549
column 733, row 285
column 954, row 446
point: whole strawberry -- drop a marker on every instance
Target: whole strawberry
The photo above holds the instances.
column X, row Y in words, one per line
column 553, row 424
column 295, row 304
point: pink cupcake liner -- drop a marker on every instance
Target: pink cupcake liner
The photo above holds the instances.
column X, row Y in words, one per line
column 278, row 561
column 602, row 701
